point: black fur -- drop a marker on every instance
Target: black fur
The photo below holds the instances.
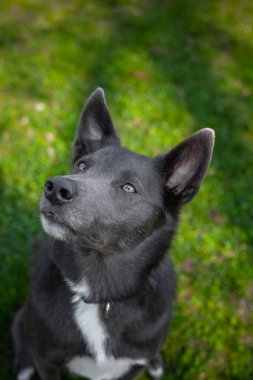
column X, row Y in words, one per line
column 115, row 240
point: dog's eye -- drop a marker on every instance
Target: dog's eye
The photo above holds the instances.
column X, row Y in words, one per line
column 128, row 188
column 82, row 166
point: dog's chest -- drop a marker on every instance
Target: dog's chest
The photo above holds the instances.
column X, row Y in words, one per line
column 93, row 331
column 109, row 369
column 100, row 365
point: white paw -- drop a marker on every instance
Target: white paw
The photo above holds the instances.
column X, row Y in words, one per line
column 26, row 373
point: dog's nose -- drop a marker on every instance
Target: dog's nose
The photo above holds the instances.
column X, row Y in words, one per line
column 60, row 190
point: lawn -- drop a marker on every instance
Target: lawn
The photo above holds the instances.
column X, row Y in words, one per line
column 168, row 69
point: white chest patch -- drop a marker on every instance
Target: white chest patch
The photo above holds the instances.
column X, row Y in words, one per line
column 88, row 321
column 94, row 334
column 110, row 369
column 91, row 328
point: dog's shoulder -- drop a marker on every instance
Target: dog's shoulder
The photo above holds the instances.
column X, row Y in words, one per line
column 46, row 277
column 161, row 284
column 41, row 260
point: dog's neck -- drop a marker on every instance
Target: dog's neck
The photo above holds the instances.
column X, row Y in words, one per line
column 101, row 278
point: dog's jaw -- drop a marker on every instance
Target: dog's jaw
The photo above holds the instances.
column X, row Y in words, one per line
column 54, row 230
column 61, row 231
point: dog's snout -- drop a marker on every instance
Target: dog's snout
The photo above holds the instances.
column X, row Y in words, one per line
column 60, row 190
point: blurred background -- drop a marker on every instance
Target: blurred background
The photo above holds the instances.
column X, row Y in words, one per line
column 168, row 68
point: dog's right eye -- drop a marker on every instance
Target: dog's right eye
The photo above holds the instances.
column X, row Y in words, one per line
column 128, row 188
column 82, row 166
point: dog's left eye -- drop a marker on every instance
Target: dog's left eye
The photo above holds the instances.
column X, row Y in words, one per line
column 82, row 166
column 128, row 188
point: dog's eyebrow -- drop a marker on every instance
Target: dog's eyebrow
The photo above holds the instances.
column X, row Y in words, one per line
column 127, row 173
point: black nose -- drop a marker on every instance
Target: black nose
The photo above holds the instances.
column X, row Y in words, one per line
column 60, row 190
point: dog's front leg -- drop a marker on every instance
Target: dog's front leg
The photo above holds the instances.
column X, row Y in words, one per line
column 46, row 370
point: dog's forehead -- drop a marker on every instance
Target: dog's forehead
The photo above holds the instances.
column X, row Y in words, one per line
column 119, row 159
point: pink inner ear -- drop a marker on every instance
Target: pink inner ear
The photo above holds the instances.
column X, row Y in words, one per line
column 182, row 174
column 93, row 131
column 186, row 168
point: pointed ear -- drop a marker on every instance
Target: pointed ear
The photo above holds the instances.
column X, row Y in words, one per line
column 95, row 127
column 185, row 166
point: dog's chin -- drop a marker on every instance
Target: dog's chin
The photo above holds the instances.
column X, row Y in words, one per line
column 54, row 229
column 62, row 232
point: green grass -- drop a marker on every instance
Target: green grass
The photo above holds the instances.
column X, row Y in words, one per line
column 168, row 68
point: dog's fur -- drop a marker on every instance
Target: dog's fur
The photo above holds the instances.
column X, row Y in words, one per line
column 103, row 287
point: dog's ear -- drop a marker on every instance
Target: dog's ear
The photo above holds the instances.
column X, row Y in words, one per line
column 185, row 166
column 95, row 127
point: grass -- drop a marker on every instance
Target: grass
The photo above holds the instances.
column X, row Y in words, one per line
column 168, row 69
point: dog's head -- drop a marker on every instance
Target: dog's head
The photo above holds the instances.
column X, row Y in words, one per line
column 115, row 198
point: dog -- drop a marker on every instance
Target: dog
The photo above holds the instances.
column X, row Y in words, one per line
column 103, row 285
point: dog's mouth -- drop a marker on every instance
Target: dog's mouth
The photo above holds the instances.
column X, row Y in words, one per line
column 54, row 225
column 50, row 215
column 59, row 229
